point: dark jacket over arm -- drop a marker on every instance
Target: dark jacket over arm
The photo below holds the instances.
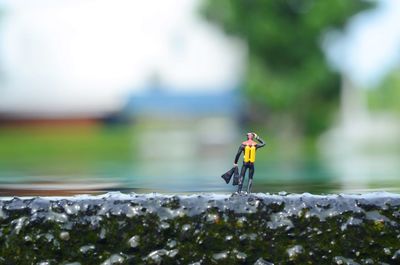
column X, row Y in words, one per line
column 261, row 144
column 241, row 148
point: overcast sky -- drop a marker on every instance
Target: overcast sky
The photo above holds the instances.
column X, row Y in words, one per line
column 85, row 55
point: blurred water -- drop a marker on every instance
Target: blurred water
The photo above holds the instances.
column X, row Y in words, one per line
column 125, row 182
column 59, row 162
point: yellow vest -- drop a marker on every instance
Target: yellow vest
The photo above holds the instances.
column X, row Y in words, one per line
column 249, row 154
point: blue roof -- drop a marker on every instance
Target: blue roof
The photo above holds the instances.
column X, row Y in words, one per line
column 158, row 103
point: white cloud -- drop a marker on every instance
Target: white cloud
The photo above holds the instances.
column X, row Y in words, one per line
column 68, row 56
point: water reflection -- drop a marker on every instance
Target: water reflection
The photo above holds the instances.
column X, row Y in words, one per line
column 161, row 157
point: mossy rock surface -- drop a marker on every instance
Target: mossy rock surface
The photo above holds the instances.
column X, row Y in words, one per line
column 201, row 229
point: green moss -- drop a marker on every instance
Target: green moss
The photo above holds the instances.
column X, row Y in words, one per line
column 183, row 230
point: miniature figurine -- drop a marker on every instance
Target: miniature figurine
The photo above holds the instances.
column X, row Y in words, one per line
column 249, row 148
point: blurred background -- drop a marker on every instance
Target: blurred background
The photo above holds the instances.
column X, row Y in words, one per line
column 100, row 95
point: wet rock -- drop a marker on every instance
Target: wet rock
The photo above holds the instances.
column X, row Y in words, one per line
column 221, row 255
column 134, row 241
column 171, row 243
column 344, row 261
column 295, row 252
column 87, row 248
column 114, row 259
column 157, row 256
column 396, row 255
column 261, row 261
column 240, row 255
column 64, row 235
column 201, row 229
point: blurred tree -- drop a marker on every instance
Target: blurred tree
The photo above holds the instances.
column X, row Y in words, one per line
column 386, row 96
column 288, row 78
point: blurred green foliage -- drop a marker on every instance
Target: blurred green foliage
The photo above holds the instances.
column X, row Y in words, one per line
column 386, row 96
column 63, row 149
column 288, row 78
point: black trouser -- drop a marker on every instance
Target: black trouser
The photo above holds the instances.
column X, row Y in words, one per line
column 246, row 166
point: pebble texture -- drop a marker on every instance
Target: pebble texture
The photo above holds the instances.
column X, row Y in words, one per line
column 201, row 229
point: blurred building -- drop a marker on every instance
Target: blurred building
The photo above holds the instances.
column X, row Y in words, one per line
column 184, row 133
column 82, row 63
column 209, row 117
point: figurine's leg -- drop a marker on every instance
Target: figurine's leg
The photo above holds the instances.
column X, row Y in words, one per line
column 250, row 182
column 241, row 178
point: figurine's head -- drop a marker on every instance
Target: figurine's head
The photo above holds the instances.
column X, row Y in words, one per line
column 250, row 136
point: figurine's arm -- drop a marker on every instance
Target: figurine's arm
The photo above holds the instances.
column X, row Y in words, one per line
column 261, row 144
column 238, row 154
